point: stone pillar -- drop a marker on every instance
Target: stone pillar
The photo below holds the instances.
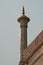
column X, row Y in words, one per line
column 23, row 20
column 23, row 38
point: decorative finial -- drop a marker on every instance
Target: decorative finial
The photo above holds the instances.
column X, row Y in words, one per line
column 23, row 10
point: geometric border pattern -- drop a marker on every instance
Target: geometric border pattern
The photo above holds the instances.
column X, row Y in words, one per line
column 36, row 56
column 30, row 50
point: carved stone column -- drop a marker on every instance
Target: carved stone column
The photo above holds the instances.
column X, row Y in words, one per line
column 23, row 20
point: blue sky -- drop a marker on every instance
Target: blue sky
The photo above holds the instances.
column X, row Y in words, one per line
column 10, row 10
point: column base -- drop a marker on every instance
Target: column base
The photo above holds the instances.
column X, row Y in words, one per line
column 21, row 63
